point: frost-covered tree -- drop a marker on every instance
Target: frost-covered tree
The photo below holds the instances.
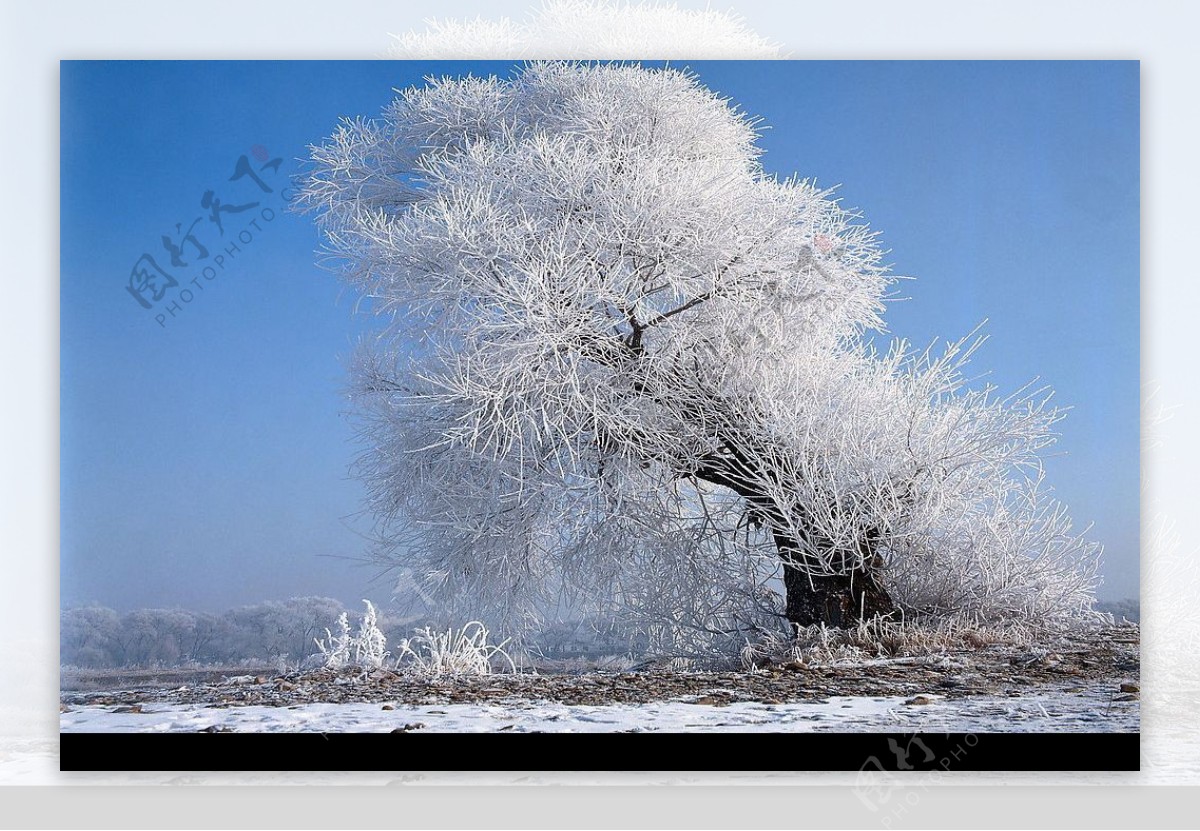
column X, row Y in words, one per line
column 619, row 361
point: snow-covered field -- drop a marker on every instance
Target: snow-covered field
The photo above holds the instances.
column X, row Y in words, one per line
column 1042, row 710
column 1167, row 756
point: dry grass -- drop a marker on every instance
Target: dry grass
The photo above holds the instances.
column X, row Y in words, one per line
column 881, row 638
column 456, row 652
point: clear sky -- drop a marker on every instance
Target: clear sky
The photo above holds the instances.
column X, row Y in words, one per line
column 205, row 461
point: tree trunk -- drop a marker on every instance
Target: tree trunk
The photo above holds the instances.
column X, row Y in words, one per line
column 840, row 600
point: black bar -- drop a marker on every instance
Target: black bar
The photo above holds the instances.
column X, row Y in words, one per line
column 577, row 751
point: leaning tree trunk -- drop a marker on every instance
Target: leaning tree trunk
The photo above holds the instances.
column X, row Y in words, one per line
column 840, row 600
column 813, row 598
column 836, row 600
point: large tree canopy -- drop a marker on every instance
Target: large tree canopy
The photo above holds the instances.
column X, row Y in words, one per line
column 622, row 363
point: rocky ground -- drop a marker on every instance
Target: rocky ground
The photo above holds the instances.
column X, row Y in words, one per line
column 1105, row 664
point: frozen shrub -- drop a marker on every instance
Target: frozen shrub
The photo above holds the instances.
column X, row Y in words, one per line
column 367, row 648
column 336, row 648
column 370, row 645
column 464, row 651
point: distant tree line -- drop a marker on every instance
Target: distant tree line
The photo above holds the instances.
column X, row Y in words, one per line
column 99, row 637
column 1129, row 609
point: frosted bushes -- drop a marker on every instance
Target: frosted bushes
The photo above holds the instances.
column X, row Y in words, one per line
column 366, row 648
column 457, row 652
column 370, row 646
column 336, row 649
column 429, row 653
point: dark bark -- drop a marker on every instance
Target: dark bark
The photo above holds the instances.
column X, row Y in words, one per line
column 840, row 600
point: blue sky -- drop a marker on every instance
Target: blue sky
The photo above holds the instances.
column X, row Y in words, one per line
column 205, row 462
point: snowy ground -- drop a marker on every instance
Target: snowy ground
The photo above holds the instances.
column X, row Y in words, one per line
column 1084, row 685
column 1168, row 755
column 1051, row 709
